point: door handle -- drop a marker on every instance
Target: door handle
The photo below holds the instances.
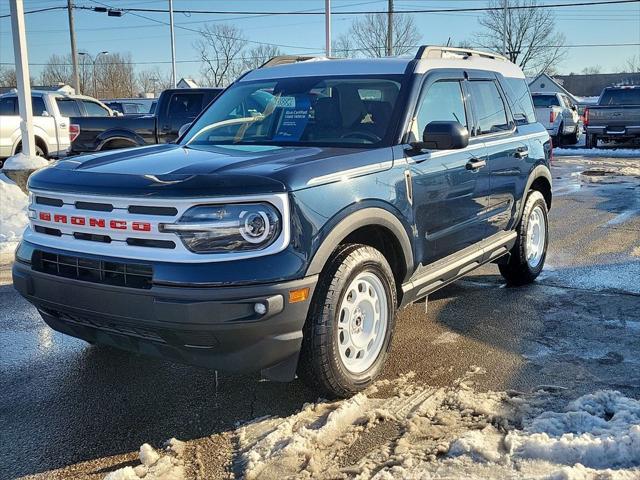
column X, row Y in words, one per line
column 522, row 152
column 475, row 164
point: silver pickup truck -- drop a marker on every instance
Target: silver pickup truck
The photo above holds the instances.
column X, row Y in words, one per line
column 616, row 116
column 559, row 115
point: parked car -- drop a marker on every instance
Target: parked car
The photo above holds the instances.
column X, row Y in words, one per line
column 283, row 236
column 616, row 116
column 559, row 115
column 51, row 112
column 131, row 106
column 175, row 108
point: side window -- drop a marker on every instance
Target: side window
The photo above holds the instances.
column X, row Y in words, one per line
column 491, row 115
column 185, row 105
column 8, row 106
column 443, row 101
column 37, row 104
column 519, row 97
column 68, row 107
column 94, row 109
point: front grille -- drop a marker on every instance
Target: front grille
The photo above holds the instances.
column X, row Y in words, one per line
column 132, row 275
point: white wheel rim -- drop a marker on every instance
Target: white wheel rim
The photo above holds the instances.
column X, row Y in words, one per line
column 362, row 322
column 536, row 237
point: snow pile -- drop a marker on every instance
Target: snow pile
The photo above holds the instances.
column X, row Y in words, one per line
column 154, row 465
column 597, row 152
column 421, row 432
column 13, row 214
column 20, row 161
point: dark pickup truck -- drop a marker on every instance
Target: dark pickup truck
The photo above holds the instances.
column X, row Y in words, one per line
column 616, row 117
column 175, row 108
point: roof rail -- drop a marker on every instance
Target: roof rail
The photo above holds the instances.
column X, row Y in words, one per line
column 285, row 59
column 432, row 51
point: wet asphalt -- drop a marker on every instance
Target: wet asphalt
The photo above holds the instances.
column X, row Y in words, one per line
column 72, row 410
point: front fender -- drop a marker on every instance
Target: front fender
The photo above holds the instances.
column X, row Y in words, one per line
column 350, row 220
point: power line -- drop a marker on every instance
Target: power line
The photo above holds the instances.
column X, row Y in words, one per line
column 364, row 12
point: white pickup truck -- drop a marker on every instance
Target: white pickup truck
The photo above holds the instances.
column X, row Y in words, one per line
column 51, row 112
column 559, row 115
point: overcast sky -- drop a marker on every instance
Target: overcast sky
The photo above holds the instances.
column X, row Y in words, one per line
column 148, row 41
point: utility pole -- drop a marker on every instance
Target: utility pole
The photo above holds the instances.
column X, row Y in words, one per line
column 389, row 49
column 504, row 28
column 22, row 77
column 173, row 46
column 74, row 53
column 327, row 28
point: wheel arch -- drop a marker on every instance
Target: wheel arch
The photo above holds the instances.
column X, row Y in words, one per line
column 132, row 139
column 39, row 141
column 373, row 226
column 540, row 180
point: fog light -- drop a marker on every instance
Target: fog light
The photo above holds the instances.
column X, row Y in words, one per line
column 260, row 308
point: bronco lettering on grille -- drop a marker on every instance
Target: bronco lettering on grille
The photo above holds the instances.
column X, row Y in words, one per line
column 95, row 222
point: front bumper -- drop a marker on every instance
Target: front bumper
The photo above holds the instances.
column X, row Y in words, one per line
column 215, row 327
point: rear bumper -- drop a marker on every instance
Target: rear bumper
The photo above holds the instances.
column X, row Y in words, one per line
column 614, row 131
column 215, row 327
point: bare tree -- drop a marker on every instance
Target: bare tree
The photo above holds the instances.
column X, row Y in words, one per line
column 153, row 81
column 593, row 70
column 58, row 70
column 370, row 32
column 632, row 64
column 115, row 76
column 344, row 47
column 7, row 77
column 532, row 40
column 220, row 48
column 258, row 55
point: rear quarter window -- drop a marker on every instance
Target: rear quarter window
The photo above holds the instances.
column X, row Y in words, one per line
column 519, row 98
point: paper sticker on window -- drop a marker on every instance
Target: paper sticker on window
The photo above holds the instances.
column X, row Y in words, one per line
column 294, row 119
column 286, row 102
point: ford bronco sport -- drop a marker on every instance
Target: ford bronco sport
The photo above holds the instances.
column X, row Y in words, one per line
column 295, row 215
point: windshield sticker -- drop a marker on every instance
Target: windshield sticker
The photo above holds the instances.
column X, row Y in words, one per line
column 294, row 119
column 286, row 102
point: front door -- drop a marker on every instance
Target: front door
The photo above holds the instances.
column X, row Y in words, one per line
column 450, row 187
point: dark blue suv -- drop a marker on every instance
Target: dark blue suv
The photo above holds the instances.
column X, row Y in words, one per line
column 295, row 215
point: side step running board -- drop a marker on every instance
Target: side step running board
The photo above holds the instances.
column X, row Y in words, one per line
column 450, row 268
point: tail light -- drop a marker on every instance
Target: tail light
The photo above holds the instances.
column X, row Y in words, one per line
column 552, row 115
column 74, row 131
column 585, row 117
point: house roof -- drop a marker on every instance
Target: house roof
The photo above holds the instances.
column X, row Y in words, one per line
column 555, row 82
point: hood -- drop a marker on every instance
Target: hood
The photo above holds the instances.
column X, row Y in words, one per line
column 173, row 170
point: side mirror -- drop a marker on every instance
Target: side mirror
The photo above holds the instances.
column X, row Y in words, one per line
column 183, row 129
column 443, row 135
column 574, row 108
column 45, row 114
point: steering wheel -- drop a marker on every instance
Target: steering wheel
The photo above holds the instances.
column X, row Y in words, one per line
column 363, row 135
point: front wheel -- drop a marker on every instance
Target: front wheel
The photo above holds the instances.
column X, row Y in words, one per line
column 530, row 250
column 350, row 323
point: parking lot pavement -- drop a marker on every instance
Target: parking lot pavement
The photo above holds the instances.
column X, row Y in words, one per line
column 71, row 410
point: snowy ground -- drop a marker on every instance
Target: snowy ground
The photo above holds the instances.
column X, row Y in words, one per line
column 13, row 214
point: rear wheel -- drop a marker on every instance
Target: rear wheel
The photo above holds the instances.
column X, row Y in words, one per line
column 573, row 137
column 530, row 250
column 39, row 150
column 350, row 323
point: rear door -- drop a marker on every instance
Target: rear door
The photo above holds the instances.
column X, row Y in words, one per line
column 448, row 196
column 180, row 109
column 45, row 124
column 506, row 149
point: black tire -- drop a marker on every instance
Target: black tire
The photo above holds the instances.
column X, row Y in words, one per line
column 574, row 137
column 518, row 270
column 39, row 151
column 320, row 365
column 591, row 141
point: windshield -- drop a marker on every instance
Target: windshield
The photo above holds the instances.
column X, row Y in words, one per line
column 544, row 101
column 340, row 111
column 623, row 96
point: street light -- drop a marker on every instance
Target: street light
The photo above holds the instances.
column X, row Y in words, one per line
column 94, row 61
